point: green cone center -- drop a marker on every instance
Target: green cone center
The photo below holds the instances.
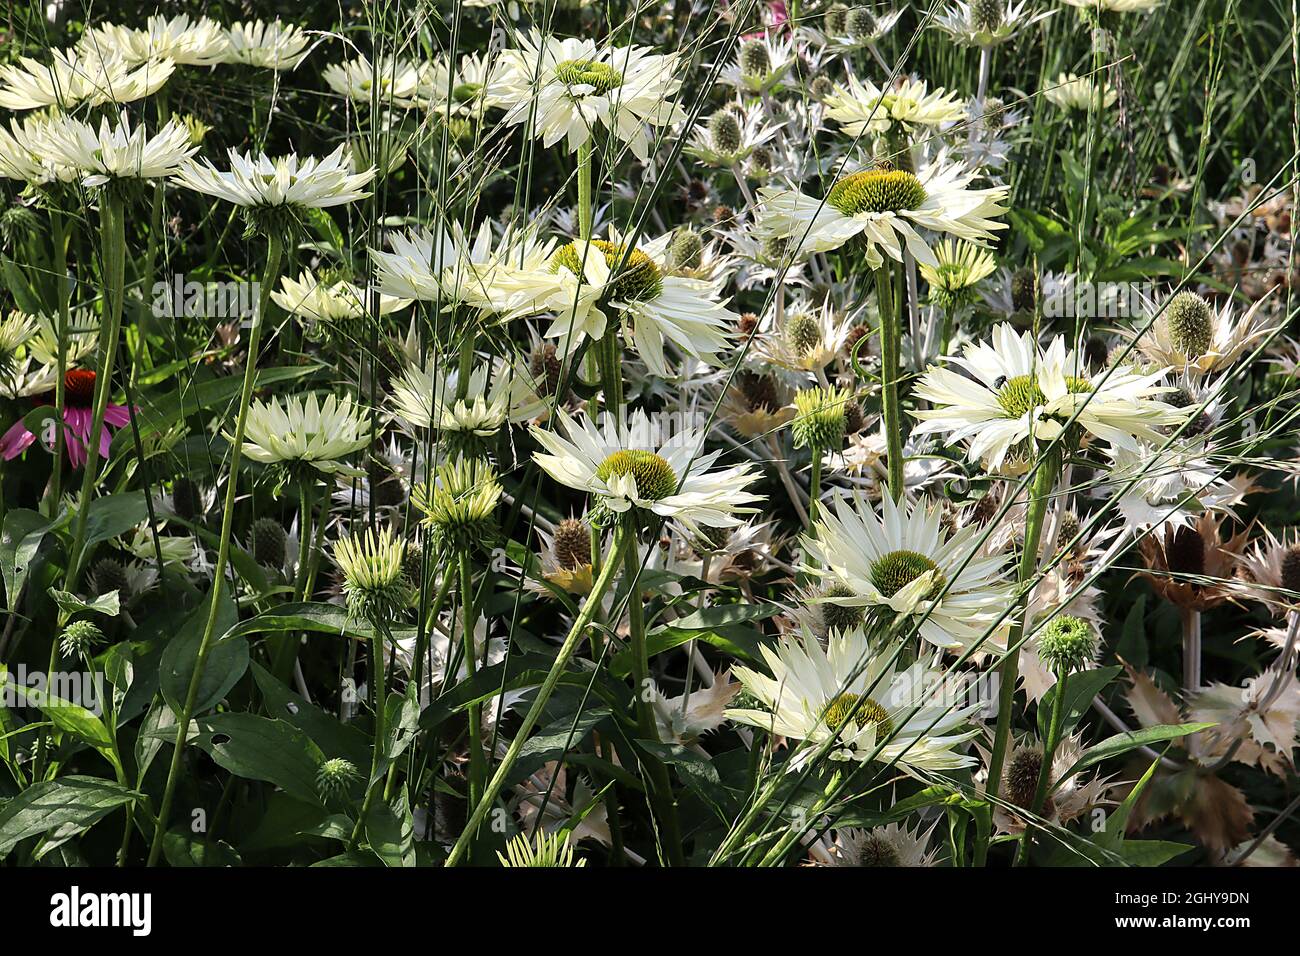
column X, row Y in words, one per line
column 866, row 712
column 601, row 76
column 877, row 191
column 896, row 570
column 654, row 477
column 638, row 280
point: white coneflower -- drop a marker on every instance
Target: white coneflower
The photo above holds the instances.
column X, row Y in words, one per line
column 322, row 300
column 374, row 582
column 17, row 329
column 388, row 81
column 1191, row 335
column 1070, row 91
column 115, row 151
column 961, row 267
column 19, row 160
column 463, row 92
column 565, row 88
column 186, row 42
column 426, row 397
column 73, row 77
column 1116, row 6
column 459, row 504
column 277, row 191
column 272, row 46
column 986, row 23
column 1017, row 391
column 813, row 696
column 902, row 560
column 861, row 107
column 296, row 431
column 884, row 206
column 626, row 465
column 656, row 306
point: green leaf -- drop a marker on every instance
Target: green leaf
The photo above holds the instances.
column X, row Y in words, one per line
column 332, row 736
column 24, row 530
column 226, row 664
column 711, row 617
column 390, row 831
column 59, row 807
column 181, row 849
column 735, row 640
column 260, row 748
column 107, row 604
column 1081, row 688
column 1152, row 852
column 1131, row 740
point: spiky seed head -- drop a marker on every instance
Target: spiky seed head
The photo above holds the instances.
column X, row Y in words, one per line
column 374, row 579
column 638, row 280
column 654, row 477
column 822, row 86
column 1020, row 778
column 859, row 709
column 760, row 161
column 838, row 617
column 110, row 575
column 819, row 418
column 685, row 249
column 876, row 850
column 834, row 19
column 1181, row 398
column 413, row 562
column 1068, row 529
column 78, row 638
column 545, row 366
column 460, row 505
column 876, row 191
column 755, row 61
column 187, row 500
column 1191, row 324
column 1024, row 290
column 1290, row 570
column 601, row 76
column 724, row 132
column 986, row 15
column 572, row 544
column 270, row 542
column 854, row 418
column 802, row 333
column 746, row 324
column 1067, row 643
column 17, row 223
column 335, row 777
column 894, row 571
column 709, row 540
column 1185, row 551
column 859, row 23
column 758, row 390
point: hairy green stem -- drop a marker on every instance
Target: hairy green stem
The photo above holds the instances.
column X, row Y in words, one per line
column 891, row 408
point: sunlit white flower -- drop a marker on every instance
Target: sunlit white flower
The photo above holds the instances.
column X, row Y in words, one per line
column 961, row 267
column 282, row 181
column 861, row 107
column 184, row 41
column 73, row 77
column 115, row 151
column 566, row 88
column 848, row 693
column 312, row 297
column 1070, row 91
column 388, row 81
column 891, row 845
column 884, row 206
column 1116, row 6
column 426, row 397
column 293, row 430
column 901, row 560
column 273, row 46
column 1160, row 487
column 1016, row 391
column 465, row 91
column 987, row 23
column 629, row 465
column 19, row 159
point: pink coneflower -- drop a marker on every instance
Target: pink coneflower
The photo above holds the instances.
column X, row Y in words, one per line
column 78, row 417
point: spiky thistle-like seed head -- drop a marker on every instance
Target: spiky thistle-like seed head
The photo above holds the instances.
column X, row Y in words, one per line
column 986, row 15
column 758, row 390
column 79, row 638
column 653, row 476
column 1185, row 552
column 1067, row 643
column 1190, row 321
column 1020, row 778
column 834, row 19
column 875, row 850
column 1024, row 290
column 819, row 418
column 109, row 575
column 335, row 778
column 802, row 333
column 572, row 546
column 755, row 61
column 1290, row 570
column 854, row 418
column 876, row 190
column 1069, row 528
column 545, row 366
column 270, row 542
column 821, row 87
column 725, row 132
column 859, row 23
column 685, row 249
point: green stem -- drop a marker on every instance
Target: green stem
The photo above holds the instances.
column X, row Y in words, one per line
column 1045, row 770
column 477, row 757
column 112, row 224
column 284, row 648
column 584, row 190
column 552, row 678
column 270, row 276
column 891, row 409
column 377, row 665
column 1040, row 492
column 63, row 293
